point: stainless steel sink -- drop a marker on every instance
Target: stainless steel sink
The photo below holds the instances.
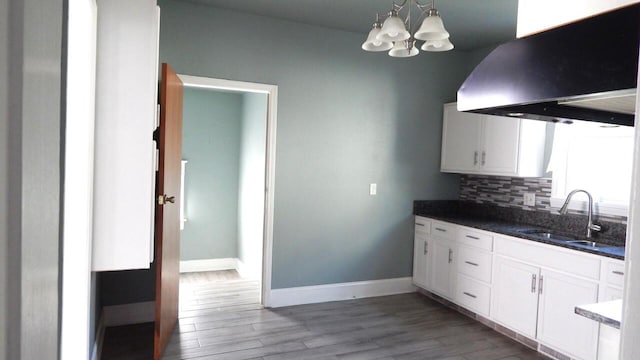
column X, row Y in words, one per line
column 589, row 243
column 547, row 234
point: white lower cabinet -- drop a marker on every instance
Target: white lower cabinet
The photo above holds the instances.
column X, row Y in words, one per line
column 515, row 296
column 540, row 303
column 473, row 295
column 421, row 256
column 421, row 261
column 558, row 324
column 528, row 287
column 443, row 268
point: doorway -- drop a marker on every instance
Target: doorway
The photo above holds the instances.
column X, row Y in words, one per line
column 228, row 163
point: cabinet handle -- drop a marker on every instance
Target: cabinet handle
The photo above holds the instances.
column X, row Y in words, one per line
column 540, row 285
column 484, row 158
column 441, row 229
column 418, row 224
column 533, row 283
column 471, row 263
column 475, row 158
column 426, row 248
column 618, row 272
column 472, row 237
column 450, row 256
column 469, row 295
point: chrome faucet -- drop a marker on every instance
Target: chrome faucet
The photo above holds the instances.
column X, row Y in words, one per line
column 590, row 225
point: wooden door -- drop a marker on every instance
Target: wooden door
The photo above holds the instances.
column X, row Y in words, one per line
column 168, row 209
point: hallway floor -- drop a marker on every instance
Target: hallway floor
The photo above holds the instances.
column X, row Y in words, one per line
column 220, row 318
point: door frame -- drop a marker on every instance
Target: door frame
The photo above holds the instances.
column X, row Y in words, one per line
column 271, row 91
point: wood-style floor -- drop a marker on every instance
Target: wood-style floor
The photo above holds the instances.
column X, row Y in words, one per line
column 220, row 318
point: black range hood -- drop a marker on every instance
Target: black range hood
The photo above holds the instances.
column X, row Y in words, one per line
column 586, row 70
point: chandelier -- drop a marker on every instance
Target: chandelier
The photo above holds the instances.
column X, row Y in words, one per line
column 396, row 34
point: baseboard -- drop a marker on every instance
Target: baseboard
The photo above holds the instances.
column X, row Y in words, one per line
column 127, row 314
column 248, row 272
column 341, row 291
column 208, row 265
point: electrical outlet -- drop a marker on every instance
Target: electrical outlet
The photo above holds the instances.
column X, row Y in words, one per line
column 529, row 199
column 373, row 189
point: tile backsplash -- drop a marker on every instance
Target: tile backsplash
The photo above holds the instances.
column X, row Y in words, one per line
column 509, row 191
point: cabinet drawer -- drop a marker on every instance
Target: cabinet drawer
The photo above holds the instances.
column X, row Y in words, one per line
column 474, row 263
column 474, row 238
column 422, row 225
column 443, row 230
column 615, row 273
column 473, row 295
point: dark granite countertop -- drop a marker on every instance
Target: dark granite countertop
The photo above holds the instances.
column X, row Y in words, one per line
column 516, row 222
column 608, row 312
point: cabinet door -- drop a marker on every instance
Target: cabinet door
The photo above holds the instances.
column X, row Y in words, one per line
column 515, row 295
column 460, row 134
column 499, row 148
column 558, row 324
column 443, row 280
column 421, row 260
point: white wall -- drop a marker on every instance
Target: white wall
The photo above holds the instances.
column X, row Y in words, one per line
column 539, row 15
column 252, row 184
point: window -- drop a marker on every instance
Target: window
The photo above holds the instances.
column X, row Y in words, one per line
column 594, row 157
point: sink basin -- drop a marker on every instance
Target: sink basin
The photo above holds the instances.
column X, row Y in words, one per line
column 547, row 234
column 589, row 243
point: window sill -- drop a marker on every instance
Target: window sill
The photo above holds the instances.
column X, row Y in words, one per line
column 603, row 209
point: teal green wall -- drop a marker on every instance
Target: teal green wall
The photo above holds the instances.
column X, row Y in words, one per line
column 211, row 132
column 346, row 118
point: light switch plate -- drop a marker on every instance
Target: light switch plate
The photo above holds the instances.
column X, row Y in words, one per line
column 530, row 199
column 373, row 189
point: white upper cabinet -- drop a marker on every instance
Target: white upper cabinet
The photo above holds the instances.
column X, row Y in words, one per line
column 126, row 103
column 491, row 145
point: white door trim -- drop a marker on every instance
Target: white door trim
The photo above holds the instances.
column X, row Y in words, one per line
column 75, row 327
column 272, row 120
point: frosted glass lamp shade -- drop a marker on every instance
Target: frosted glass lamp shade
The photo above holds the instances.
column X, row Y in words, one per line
column 393, row 29
column 404, row 49
column 373, row 44
column 437, row 45
column 432, row 28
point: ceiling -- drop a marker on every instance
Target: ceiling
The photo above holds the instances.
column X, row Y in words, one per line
column 471, row 23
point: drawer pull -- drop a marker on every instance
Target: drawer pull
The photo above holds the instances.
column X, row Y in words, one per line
column 471, row 263
column 469, row 295
column 440, row 229
column 618, row 272
column 419, row 224
column 473, row 237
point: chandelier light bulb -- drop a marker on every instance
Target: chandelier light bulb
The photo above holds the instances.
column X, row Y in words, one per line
column 437, row 45
column 372, row 43
column 393, row 29
column 404, row 48
column 432, row 27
